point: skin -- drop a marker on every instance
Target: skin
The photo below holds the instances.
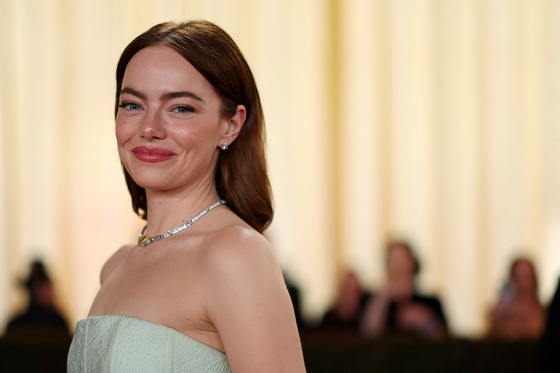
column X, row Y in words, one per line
column 217, row 282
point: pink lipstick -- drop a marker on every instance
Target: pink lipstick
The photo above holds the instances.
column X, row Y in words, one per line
column 152, row 155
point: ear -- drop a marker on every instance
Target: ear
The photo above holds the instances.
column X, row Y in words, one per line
column 234, row 125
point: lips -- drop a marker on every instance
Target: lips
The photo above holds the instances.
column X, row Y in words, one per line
column 152, row 155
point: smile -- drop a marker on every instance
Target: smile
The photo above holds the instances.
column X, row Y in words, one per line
column 152, row 155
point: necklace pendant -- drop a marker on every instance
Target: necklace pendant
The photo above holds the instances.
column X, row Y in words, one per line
column 143, row 240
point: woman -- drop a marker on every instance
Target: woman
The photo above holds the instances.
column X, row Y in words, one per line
column 518, row 315
column 397, row 308
column 208, row 295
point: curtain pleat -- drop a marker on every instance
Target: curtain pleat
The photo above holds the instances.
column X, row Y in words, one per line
column 429, row 120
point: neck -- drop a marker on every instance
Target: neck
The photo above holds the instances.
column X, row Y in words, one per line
column 171, row 208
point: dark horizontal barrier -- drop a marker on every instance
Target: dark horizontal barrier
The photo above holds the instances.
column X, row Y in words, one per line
column 336, row 354
column 339, row 353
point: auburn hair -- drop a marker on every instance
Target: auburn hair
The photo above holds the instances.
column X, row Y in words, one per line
column 241, row 174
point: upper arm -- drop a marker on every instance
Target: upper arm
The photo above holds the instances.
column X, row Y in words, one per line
column 114, row 261
column 248, row 303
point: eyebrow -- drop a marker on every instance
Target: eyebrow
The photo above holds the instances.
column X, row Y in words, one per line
column 170, row 95
column 163, row 97
column 133, row 92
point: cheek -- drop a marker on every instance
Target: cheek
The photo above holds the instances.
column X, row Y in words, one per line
column 192, row 136
column 123, row 132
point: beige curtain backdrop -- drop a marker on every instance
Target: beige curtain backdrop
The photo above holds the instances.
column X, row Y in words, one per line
column 432, row 120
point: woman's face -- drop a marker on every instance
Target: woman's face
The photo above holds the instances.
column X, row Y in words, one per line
column 168, row 124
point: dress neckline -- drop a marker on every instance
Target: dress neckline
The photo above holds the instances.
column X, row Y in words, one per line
column 136, row 319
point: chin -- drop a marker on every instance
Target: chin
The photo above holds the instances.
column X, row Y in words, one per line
column 152, row 180
column 154, row 184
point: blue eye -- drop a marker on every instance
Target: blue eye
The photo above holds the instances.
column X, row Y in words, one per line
column 183, row 109
column 130, row 106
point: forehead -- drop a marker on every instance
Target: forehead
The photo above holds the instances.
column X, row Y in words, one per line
column 160, row 69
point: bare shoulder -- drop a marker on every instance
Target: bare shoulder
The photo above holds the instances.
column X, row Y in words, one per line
column 247, row 301
column 238, row 247
column 114, row 261
column 237, row 261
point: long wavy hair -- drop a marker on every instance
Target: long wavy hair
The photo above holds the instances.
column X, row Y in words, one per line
column 241, row 174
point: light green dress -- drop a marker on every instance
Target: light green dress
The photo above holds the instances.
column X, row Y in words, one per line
column 117, row 343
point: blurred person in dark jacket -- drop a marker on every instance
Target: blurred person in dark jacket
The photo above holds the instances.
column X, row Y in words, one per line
column 550, row 363
column 348, row 309
column 398, row 308
column 41, row 315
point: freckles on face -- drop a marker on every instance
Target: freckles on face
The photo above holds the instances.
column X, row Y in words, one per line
column 168, row 124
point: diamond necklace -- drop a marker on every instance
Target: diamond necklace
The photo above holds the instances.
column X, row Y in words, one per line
column 144, row 240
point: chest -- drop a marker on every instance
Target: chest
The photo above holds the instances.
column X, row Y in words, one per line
column 158, row 285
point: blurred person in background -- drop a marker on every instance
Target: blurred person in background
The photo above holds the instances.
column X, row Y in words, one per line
column 397, row 309
column 295, row 297
column 549, row 362
column 41, row 316
column 518, row 314
column 349, row 306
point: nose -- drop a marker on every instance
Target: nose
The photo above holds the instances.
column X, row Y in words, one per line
column 152, row 127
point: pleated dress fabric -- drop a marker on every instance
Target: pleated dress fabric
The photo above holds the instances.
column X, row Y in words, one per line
column 123, row 344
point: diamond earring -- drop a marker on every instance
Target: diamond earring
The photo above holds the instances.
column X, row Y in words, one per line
column 224, row 146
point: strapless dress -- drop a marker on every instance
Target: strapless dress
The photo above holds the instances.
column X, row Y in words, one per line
column 118, row 343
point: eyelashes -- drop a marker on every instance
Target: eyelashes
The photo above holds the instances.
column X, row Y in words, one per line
column 130, row 106
column 182, row 109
